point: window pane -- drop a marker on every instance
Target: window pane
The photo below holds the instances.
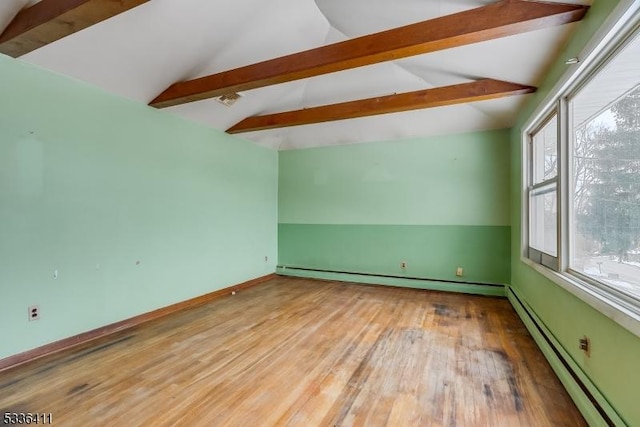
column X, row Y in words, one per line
column 543, row 218
column 605, row 239
column 545, row 151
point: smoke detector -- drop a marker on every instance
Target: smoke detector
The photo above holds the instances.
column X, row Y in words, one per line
column 228, row 99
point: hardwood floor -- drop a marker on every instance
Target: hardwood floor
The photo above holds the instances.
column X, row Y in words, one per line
column 304, row 353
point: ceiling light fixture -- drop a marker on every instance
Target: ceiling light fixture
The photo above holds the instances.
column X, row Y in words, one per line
column 228, row 99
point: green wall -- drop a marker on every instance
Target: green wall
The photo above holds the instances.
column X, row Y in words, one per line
column 91, row 183
column 435, row 203
column 615, row 355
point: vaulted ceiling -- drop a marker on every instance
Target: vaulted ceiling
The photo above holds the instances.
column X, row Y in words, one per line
column 429, row 73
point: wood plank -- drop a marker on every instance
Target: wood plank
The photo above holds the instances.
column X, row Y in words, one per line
column 479, row 90
column 304, row 352
column 501, row 19
column 85, row 337
column 51, row 20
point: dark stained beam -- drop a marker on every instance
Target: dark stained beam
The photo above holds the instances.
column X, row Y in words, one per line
column 496, row 20
column 479, row 90
column 51, row 20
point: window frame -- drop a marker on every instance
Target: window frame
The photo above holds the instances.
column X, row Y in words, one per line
column 537, row 255
column 620, row 29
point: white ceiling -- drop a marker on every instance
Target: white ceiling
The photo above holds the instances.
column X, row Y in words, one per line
column 140, row 53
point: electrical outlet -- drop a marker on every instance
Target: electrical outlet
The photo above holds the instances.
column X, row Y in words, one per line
column 403, row 264
column 584, row 344
column 459, row 271
column 34, row 312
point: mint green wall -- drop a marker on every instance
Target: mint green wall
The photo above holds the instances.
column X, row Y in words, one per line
column 448, row 180
column 430, row 251
column 436, row 203
column 615, row 354
column 90, row 183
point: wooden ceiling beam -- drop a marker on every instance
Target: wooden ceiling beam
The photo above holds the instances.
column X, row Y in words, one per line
column 504, row 18
column 51, row 20
column 479, row 90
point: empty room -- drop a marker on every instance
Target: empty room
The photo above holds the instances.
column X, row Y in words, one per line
column 320, row 212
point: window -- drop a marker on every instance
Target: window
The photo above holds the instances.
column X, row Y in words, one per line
column 543, row 194
column 583, row 179
column 605, row 174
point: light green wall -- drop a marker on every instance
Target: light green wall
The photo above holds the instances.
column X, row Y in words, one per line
column 448, row 180
column 430, row 251
column 436, row 203
column 615, row 355
column 90, row 183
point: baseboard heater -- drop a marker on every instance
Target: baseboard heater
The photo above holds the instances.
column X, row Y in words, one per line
column 493, row 289
column 591, row 403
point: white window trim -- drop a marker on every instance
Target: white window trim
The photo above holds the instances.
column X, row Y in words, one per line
column 622, row 20
column 547, row 259
column 614, row 309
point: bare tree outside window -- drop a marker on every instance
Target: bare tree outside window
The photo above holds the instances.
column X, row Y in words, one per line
column 606, row 189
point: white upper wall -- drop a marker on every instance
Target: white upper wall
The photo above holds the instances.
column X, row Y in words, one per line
column 140, row 53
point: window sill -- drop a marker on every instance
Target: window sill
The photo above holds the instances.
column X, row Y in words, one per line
column 618, row 311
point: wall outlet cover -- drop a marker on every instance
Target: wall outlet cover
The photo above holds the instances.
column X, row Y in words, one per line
column 34, row 312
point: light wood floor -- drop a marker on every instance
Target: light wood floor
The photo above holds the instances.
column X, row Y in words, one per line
column 305, row 353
